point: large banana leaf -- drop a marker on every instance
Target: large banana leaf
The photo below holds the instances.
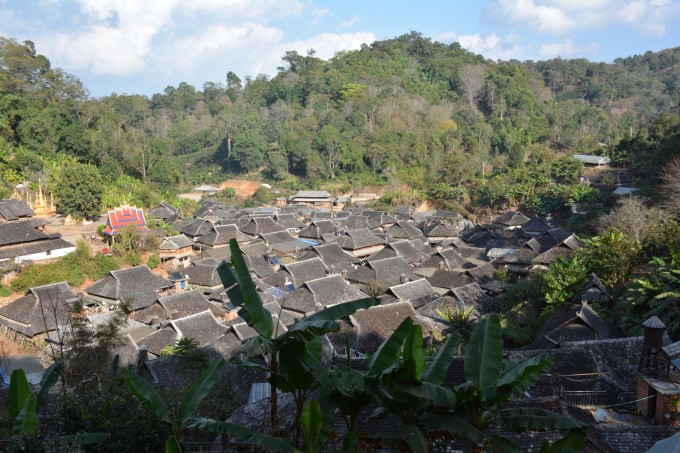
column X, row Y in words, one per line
column 312, row 422
column 342, row 310
column 85, row 438
column 519, row 377
column 571, row 443
column 484, row 353
column 522, row 418
column 198, row 391
column 21, row 404
column 457, row 426
column 388, row 352
column 253, row 311
column 231, row 429
column 440, row 396
column 48, row 380
column 172, row 445
column 436, row 370
column 18, row 393
column 415, row 437
column 503, row 445
column 413, row 356
column 26, row 421
column 142, row 389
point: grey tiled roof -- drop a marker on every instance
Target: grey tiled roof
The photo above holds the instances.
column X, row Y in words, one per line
column 175, row 242
column 146, row 314
column 404, row 249
column 403, row 230
column 443, row 278
column 163, row 211
column 377, row 323
column 550, row 256
column 332, row 290
column 19, row 232
column 18, row 208
column 312, row 194
column 511, row 218
column 387, row 272
column 482, row 273
column 304, row 271
column 472, row 296
column 159, row 339
column 301, row 301
column 418, row 292
column 277, row 237
column 30, row 248
column 354, row 222
column 333, row 254
column 38, row 311
column 188, row 303
column 289, row 221
column 137, row 286
column 357, row 239
column 535, row 225
column 261, row 225
column 441, row 304
column 221, row 234
column 203, row 275
column 202, row 327
column 197, row 227
column 673, row 350
column 317, row 229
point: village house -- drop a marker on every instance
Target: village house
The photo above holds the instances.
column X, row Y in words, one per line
column 176, row 251
column 21, row 240
column 318, row 198
column 136, row 287
column 41, row 310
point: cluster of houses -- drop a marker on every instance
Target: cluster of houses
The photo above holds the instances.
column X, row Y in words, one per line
column 304, row 257
column 22, row 236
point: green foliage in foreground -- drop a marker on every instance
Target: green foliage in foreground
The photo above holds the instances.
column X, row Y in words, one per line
column 22, row 411
column 399, row 379
column 657, row 294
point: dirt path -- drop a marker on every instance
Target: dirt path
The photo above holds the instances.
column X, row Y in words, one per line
column 10, row 348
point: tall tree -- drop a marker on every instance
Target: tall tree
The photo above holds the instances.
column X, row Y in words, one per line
column 79, row 192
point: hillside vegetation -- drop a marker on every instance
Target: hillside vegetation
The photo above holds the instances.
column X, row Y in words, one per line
column 404, row 111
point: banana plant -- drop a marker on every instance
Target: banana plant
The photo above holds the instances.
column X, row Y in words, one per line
column 177, row 422
column 23, row 406
column 481, row 400
column 400, row 379
column 294, row 357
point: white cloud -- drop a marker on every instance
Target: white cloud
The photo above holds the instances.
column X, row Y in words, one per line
column 350, row 22
column 565, row 16
column 249, row 49
column 327, row 44
column 219, row 46
column 490, row 46
column 565, row 49
column 320, row 12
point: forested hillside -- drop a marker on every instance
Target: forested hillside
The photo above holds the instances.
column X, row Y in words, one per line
column 404, row 111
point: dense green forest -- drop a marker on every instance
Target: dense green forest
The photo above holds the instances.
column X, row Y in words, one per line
column 406, row 112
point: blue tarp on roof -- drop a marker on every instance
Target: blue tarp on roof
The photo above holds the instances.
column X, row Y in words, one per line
column 307, row 241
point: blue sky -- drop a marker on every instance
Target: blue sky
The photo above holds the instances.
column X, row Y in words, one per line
column 142, row 46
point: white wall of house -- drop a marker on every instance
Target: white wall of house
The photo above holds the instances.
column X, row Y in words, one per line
column 49, row 255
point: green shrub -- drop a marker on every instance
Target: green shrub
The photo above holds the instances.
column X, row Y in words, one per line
column 154, row 261
column 133, row 258
column 193, row 358
column 168, row 350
